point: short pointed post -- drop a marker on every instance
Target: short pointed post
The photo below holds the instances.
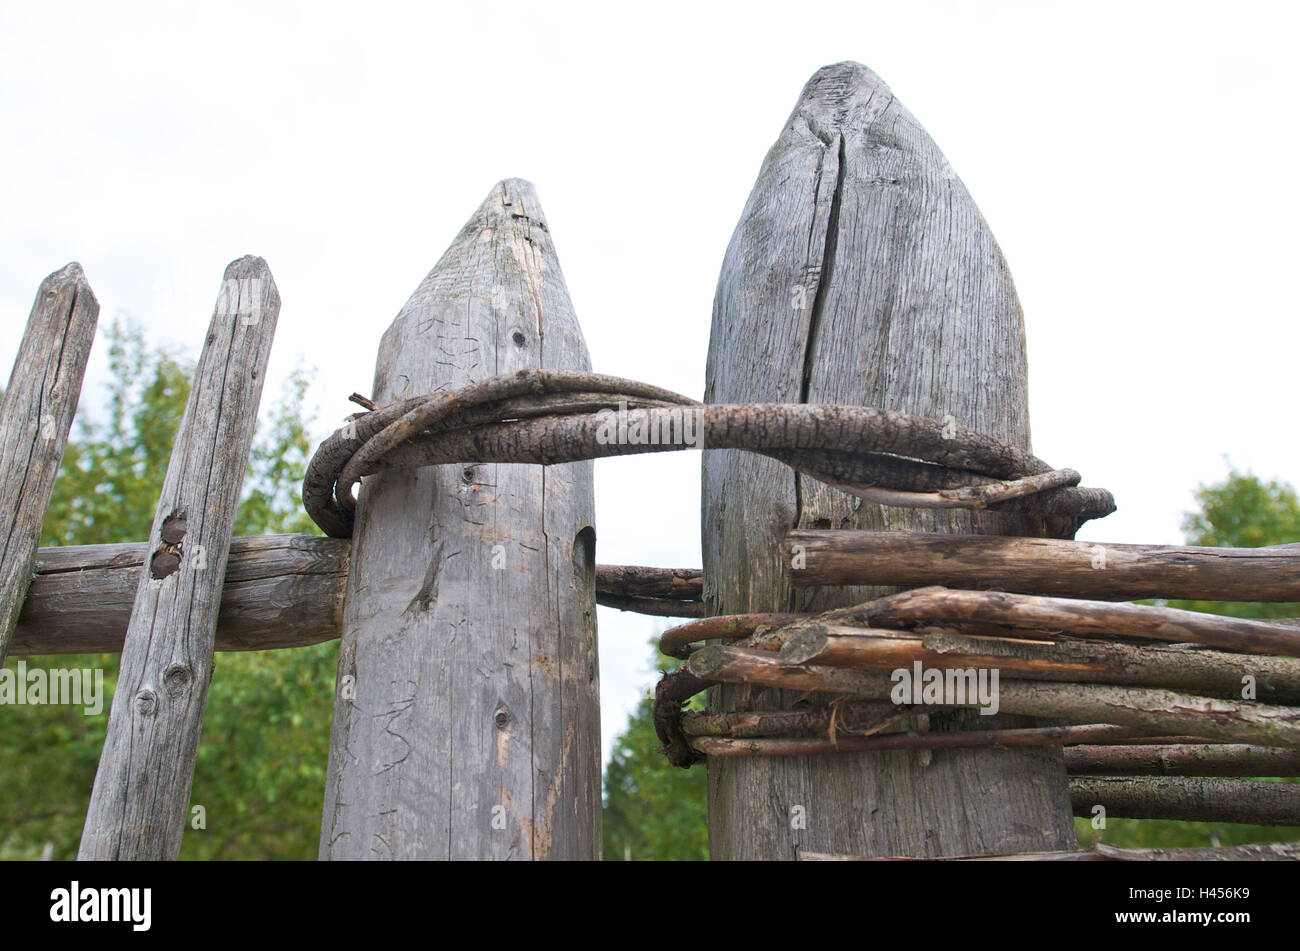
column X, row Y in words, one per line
column 466, row 714
column 142, row 789
column 35, row 417
column 861, row 272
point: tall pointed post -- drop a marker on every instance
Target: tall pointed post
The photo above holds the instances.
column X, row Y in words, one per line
column 466, row 714
column 35, row 416
column 141, row 794
column 861, row 272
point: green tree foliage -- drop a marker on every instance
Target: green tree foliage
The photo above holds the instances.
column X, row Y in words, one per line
column 652, row 810
column 261, row 767
column 1242, row 511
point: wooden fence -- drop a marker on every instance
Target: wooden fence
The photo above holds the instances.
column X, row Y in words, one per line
column 462, row 580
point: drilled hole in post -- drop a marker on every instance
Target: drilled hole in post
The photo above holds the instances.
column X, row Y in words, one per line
column 584, row 557
column 584, row 573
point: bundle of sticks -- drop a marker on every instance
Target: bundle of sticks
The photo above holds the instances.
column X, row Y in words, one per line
column 1161, row 711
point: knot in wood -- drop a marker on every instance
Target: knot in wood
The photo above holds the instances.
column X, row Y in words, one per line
column 146, row 702
column 176, row 680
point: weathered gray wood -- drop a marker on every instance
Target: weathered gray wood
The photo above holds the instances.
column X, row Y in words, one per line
column 861, row 272
column 280, row 591
column 467, row 722
column 138, row 806
column 35, row 416
column 1101, row 570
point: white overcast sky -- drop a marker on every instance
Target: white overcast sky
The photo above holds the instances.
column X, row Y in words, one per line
column 1137, row 163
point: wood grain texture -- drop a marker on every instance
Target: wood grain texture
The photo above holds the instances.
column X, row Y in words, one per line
column 467, row 723
column 280, row 591
column 861, row 272
column 139, row 803
column 35, row 416
column 1053, row 566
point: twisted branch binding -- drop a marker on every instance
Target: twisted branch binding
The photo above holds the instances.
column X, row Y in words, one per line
column 549, row 417
column 1061, row 658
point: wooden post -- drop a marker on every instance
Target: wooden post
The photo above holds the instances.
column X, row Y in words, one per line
column 862, row 272
column 466, row 717
column 35, row 416
column 139, row 802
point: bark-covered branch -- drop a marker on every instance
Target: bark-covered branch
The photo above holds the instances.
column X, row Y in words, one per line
column 1150, row 709
column 1190, row 799
column 1046, row 566
column 1182, row 759
column 1028, row 612
column 479, row 423
column 1100, row 852
column 1210, row 672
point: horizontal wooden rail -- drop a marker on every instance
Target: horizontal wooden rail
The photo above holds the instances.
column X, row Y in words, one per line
column 1195, row 670
column 1151, row 709
column 1191, row 799
column 1259, row 852
column 280, row 591
column 1048, row 566
column 1182, row 759
column 998, row 611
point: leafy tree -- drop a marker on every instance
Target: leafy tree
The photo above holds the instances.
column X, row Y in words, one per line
column 1243, row 511
column 652, row 810
column 261, row 765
